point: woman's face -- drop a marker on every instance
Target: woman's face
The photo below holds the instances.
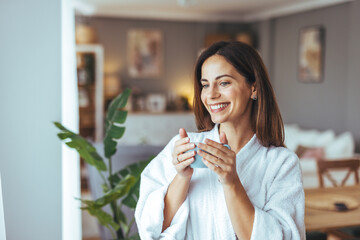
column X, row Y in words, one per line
column 225, row 93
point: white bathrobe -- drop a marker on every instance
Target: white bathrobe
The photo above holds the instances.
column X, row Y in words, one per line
column 271, row 177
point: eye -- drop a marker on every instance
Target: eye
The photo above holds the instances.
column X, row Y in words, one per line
column 204, row 85
column 224, row 84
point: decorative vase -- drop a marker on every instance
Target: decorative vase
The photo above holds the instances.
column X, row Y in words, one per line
column 85, row 34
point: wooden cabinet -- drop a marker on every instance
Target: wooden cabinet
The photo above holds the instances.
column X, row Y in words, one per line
column 90, row 61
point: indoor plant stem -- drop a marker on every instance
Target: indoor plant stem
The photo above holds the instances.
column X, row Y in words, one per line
column 113, row 204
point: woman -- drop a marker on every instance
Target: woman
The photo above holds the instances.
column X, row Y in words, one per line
column 254, row 190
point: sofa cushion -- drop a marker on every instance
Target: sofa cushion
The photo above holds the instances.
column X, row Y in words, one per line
column 315, row 138
column 342, row 147
column 311, row 142
column 295, row 136
column 310, row 152
column 291, row 133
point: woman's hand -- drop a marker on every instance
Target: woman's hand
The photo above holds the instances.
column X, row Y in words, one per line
column 181, row 158
column 179, row 187
column 220, row 159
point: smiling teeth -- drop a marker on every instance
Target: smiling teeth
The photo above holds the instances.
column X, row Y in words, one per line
column 214, row 107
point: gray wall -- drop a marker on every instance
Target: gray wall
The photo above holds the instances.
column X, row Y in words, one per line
column 30, row 88
column 353, row 83
column 333, row 103
column 319, row 104
column 182, row 42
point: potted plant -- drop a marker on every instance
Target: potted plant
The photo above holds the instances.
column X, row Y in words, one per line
column 120, row 188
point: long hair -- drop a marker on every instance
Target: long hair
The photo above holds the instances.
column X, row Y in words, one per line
column 266, row 119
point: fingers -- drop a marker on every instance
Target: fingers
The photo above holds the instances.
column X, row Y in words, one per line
column 181, row 155
column 214, row 148
column 211, row 158
column 185, row 156
column 183, row 168
column 183, row 148
column 213, row 167
column 184, row 164
column 181, row 158
column 216, row 164
column 182, row 141
column 182, row 133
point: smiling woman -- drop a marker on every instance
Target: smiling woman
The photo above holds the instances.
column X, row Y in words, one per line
column 226, row 97
column 251, row 187
column 241, row 75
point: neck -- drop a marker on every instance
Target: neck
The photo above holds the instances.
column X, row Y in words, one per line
column 237, row 135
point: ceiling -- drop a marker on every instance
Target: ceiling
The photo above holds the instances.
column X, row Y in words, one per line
column 198, row 10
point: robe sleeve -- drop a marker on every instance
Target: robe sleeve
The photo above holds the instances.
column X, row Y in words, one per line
column 149, row 212
column 282, row 216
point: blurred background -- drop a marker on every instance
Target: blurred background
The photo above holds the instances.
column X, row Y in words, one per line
column 66, row 60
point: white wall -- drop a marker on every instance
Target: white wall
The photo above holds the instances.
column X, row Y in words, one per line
column 71, row 213
column 30, row 99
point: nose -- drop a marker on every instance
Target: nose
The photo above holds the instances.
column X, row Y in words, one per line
column 214, row 92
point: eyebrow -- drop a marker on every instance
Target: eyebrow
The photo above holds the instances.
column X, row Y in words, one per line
column 218, row 77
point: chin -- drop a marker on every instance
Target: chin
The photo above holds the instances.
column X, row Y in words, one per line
column 218, row 120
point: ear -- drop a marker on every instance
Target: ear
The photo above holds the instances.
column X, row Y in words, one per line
column 253, row 91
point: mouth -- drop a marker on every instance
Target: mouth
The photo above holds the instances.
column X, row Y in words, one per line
column 218, row 107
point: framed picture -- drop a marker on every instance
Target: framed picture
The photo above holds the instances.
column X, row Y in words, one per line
column 156, row 103
column 311, row 54
column 145, row 53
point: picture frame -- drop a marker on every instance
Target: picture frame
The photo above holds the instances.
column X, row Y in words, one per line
column 311, row 54
column 156, row 103
column 145, row 53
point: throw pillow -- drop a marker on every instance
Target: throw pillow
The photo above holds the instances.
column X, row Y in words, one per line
column 310, row 152
column 342, row 147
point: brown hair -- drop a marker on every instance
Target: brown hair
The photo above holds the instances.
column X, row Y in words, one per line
column 266, row 120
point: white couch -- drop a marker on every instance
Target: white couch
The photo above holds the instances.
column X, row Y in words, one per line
column 325, row 143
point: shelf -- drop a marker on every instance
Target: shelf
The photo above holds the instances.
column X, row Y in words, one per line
column 161, row 113
column 90, row 61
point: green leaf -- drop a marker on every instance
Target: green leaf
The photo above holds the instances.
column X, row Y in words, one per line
column 109, row 146
column 134, row 170
column 105, row 187
column 121, row 189
column 115, row 115
column 104, row 218
column 64, row 136
column 118, row 103
column 61, row 127
column 116, row 132
column 133, row 196
column 82, row 146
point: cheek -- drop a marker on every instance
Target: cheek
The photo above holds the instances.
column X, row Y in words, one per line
column 232, row 94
